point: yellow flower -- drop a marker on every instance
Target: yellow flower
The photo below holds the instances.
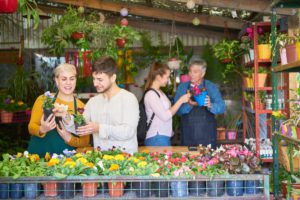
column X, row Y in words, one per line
column 142, row 164
column 34, row 157
column 20, row 103
column 82, row 160
column 70, row 164
column 19, row 155
column 47, row 156
column 107, row 157
column 142, row 158
column 88, row 152
column 78, row 155
column 53, row 161
column 119, row 157
column 114, row 167
column 135, row 160
column 89, row 164
column 155, row 175
column 12, row 101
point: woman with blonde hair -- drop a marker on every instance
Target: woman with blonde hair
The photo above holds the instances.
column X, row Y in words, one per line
column 46, row 134
column 158, row 107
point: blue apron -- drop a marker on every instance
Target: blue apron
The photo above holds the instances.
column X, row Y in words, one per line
column 51, row 143
column 199, row 126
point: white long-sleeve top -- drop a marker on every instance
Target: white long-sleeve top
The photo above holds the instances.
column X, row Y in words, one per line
column 162, row 122
column 118, row 119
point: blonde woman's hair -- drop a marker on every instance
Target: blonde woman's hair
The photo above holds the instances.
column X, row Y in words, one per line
column 66, row 67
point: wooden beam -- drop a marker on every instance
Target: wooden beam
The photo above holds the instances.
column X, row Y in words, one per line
column 158, row 13
column 261, row 6
column 162, row 27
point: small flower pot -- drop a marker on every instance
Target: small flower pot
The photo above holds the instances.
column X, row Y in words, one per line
column 298, row 132
column 264, row 51
column 184, row 78
column 4, row 190
column 283, row 56
column 142, row 189
column 160, row 189
column 291, row 53
column 200, row 98
column 47, row 113
column 89, row 189
column 179, row 188
column 16, row 190
column 6, row 117
column 116, row 189
column 252, row 187
column 31, row 190
column 215, row 188
column 197, row 188
column 231, row 134
column 67, row 190
column 50, row 189
column 235, row 188
column 221, row 133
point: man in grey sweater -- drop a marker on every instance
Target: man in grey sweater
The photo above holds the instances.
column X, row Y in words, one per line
column 112, row 116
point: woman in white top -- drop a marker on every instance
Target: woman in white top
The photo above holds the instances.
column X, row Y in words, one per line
column 160, row 130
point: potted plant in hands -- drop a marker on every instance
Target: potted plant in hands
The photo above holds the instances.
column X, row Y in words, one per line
column 264, row 46
column 79, row 118
column 48, row 105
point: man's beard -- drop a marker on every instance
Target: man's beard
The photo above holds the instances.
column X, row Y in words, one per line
column 106, row 89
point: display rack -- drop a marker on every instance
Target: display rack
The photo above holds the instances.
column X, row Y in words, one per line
column 257, row 110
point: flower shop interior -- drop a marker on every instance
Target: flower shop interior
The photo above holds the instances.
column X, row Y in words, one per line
column 252, row 52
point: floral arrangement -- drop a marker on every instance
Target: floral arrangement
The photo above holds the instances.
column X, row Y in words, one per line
column 48, row 102
column 195, row 90
column 79, row 118
column 10, row 105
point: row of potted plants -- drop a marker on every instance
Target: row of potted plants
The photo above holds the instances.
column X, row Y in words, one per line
column 235, row 159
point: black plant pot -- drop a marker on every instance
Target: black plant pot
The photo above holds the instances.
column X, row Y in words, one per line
column 179, row 189
column 103, row 188
column 252, row 187
column 160, row 189
column 197, row 188
column 67, row 190
column 47, row 113
column 142, row 189
column 16, row 190
column 235, row 188
column 58, row 120
column 215, row 188
column 4, row 190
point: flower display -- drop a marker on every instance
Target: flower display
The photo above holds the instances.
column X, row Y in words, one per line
column 10, row 105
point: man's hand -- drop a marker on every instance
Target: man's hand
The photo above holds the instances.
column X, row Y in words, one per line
column 207, row 102
column 88, row 129
column 66, row 135
column 47, row 125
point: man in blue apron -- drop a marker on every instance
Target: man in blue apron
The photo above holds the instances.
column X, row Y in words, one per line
column 198, row 123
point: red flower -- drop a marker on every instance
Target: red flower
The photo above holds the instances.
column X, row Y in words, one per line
column 80, row 110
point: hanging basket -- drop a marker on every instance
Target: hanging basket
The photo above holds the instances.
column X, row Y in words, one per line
column 174, row 64
column 8, row 6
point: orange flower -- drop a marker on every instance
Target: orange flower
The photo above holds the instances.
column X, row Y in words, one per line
column 142, row 158
column 89, row 164
column 47, row 156
column 53, row 162
column 69, row 160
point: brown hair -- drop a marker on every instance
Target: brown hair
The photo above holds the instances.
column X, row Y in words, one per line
column 105, row 65
column 157, row 68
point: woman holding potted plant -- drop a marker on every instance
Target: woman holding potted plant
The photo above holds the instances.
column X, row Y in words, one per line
column 46, row 134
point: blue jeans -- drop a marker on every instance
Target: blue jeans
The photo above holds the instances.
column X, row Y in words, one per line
column 158, row 140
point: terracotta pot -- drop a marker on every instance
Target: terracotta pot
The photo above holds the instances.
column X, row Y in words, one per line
column 121, row 42
column 89, row 189
column 283, row 56
column 261, row 79
column 116, row 189
column 264, row 51
column 184, row 78
column 291, row 53
column 221, row 133
column 77, row 35
column 50, row 189
column 6, row 117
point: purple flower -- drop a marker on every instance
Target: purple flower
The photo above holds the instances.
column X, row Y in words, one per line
column 7, row 101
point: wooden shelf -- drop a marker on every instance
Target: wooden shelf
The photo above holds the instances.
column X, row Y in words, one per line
column 291, row 67
column 264, row 60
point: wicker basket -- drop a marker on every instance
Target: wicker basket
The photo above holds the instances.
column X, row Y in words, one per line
column 284, row 160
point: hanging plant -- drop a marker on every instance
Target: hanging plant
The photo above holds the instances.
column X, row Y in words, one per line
column 29, row 8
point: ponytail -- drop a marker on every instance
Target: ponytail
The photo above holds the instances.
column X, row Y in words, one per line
column 157, row 68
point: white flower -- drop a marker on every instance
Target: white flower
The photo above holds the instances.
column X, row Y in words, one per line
column 100, row 164
column 26, row 154
column 54, row 155
column 209, row 146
